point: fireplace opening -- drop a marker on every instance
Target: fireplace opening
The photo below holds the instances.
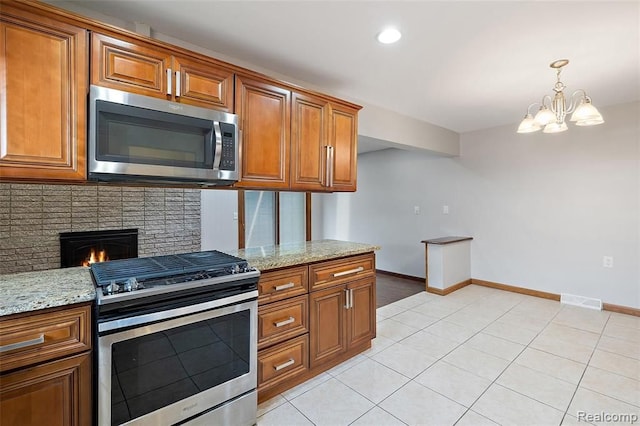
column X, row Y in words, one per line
column 85, row 248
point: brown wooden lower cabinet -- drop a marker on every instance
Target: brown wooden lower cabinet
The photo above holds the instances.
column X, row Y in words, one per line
column 302, row 333
column 282, row 362
column 45, row 367
column 282, row 320
column 341, row 317
column 327, row 324
column 56, row 393
column 361, row 318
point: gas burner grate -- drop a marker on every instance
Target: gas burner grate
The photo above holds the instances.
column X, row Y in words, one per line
column 161, row 266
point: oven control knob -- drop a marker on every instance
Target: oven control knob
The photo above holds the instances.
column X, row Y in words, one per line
column 131, row 285
column 112, row 288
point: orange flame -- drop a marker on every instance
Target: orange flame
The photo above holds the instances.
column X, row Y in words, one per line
column 101, row 256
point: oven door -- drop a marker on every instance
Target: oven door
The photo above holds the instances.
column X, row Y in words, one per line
column 169, row 371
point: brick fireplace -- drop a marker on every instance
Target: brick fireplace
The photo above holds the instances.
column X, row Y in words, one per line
column 33, row 216
column 85, row 248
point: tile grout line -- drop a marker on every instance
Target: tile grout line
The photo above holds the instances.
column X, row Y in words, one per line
column 465, row 341
column 467, row 409
column 584, row 371
column 505, row 369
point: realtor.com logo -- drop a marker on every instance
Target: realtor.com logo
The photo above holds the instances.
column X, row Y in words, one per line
column 605, row 417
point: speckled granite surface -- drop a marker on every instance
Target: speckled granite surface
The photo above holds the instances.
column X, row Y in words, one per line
column 31, row 291
column 272, row 257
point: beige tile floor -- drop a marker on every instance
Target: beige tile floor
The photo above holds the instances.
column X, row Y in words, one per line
column 478, row 356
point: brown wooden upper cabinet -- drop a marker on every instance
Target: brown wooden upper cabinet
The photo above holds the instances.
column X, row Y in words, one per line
column 136, row 67
column 43, row 77
column 323, row 145
column 294, row 140
column 264, row 111
column 343, row 134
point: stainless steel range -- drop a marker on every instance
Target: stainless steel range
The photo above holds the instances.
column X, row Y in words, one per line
column 176, row 340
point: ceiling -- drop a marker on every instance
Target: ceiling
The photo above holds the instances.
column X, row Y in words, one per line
column 460, row 65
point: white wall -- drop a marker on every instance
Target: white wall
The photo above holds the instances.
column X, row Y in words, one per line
column 400, row 131
column 543, row 209
column 219, row 228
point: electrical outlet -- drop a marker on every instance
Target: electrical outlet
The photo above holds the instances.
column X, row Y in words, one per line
column 416, row 209
column 445, row 209
column 607, row 261
column 235, row 215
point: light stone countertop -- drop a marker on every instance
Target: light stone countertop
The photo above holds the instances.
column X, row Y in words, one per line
column 31, row 291
column 283, row 255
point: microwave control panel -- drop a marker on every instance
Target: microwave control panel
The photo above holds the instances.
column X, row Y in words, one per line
column 228, row 158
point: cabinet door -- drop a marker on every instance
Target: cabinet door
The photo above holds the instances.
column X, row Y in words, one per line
column 53, row 394
column 361, row 317
column 309, row 141
column 265, row 117
column 203, row 84
column 343, row 138
column 327, row 325
column 43, row 76
column 130, row 66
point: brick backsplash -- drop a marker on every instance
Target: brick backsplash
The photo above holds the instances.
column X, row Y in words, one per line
column 32, row 216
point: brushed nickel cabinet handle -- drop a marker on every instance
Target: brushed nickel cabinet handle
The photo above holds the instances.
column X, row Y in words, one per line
column 331, row 166
column 350, row 271
column 23, row 344
column 177, row 84
column 284, row 322
column 327, row 170
column 346, row 298
column 283, row 286
column 169, row 82
column 284, row 365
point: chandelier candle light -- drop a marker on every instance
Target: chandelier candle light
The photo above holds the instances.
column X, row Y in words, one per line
column 550, row 117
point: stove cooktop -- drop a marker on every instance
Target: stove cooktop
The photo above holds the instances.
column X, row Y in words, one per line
column 142, row 268
column 163, row 273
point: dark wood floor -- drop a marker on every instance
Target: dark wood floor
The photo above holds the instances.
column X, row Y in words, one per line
column 390, row 288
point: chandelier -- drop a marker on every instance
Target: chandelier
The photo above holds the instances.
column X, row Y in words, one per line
column 550, row 117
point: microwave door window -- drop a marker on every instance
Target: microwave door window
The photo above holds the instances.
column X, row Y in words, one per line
column 141, row 136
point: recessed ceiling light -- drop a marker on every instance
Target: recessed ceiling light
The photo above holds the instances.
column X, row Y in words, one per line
column 389, row 35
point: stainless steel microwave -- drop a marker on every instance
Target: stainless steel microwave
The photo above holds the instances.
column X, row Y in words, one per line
column 135, row 137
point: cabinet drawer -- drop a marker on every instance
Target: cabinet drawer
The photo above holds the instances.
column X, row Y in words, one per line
column 283, row 284
column 282, row 320
column 282, row 362
column 333, row 272
column 26, row 340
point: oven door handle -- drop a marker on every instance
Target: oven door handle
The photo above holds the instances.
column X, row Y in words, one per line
column 173, row 313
